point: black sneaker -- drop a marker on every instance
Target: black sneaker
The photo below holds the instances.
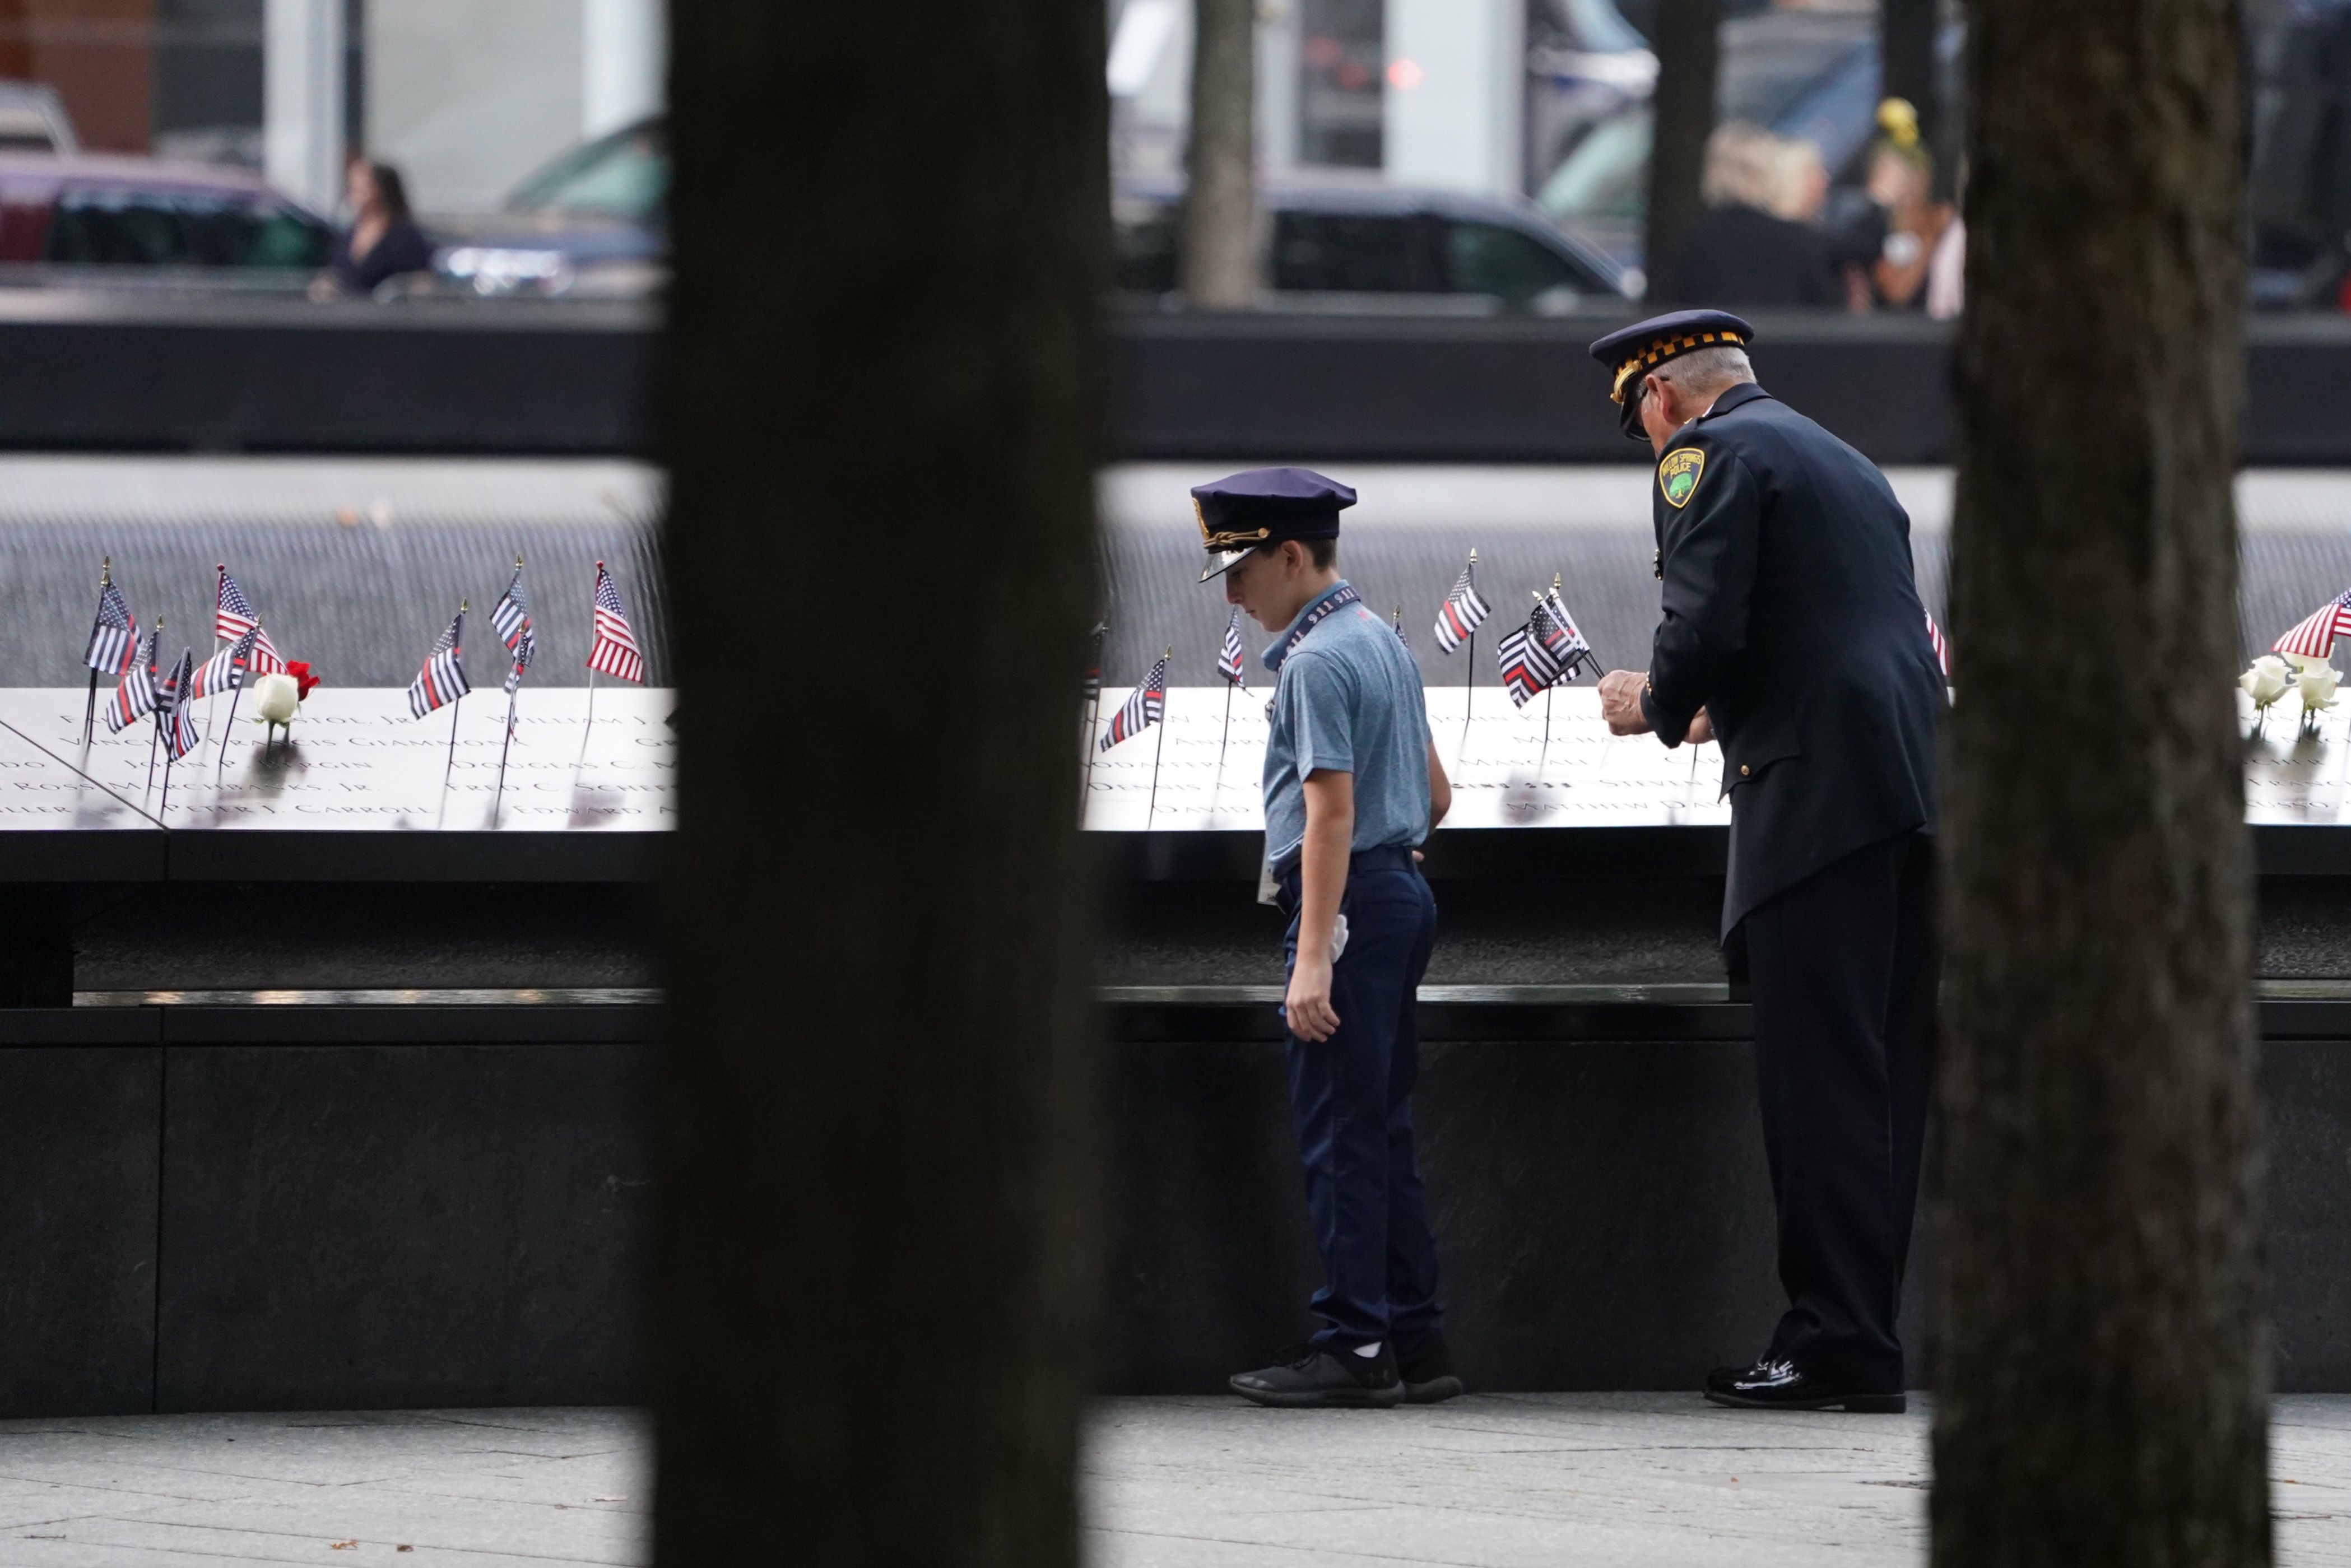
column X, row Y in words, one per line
column 1308, row 1377
column 1427, row 1368
column 1773, row 1384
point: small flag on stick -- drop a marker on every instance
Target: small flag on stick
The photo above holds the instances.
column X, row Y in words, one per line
column 172, row 714
column 113, row 639
column 1567, row 646
column 615, row 651
column 233, row 617
column 1231, row 659
column 511, row 616
column 443, row 678
column 1942, row 649
column 1463, row 612
column 2314, row 637
column 1529, row 664
column 225, row 670
column 1147, row 706
column 134, row 699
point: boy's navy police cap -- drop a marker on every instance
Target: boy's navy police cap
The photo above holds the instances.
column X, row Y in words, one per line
column 1632, row 353
column 1264, row 507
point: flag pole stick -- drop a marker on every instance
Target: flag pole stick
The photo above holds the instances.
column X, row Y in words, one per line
column 228, row 731
column 157, row 729
column 152, row 736
column 450, row 766
column 89, row 709
column 166, row 803
column 1157, row 752
column 1215, row 791
column 590, row 729
column 498, row 793
column 1093, row 724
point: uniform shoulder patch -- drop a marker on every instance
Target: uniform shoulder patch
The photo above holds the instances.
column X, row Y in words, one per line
column 1678, row 474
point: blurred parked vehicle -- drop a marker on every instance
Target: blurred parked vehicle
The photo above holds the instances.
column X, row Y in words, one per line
column 1365, row 245
column 593, row 224
column 1808, row 74
column 33, row 119
column 108, row 222
column 2298, row 182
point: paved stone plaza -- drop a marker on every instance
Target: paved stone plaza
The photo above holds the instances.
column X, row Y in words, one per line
column 1489, row 1481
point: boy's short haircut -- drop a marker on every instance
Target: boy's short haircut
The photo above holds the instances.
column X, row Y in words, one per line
column 1321, row 553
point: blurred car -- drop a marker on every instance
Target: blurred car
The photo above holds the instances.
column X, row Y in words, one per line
column 33, row 119
column 593, row 224
column 115, row 221
column 1347, row 243
column 1810, row 74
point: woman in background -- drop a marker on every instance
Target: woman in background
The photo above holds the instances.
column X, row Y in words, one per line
column 383, row 240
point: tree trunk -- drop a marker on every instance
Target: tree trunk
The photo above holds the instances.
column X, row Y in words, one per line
column 882, row 410
column 2103, row 1358
column 1219, row 258
column 1905, row 32
column 1687, row 51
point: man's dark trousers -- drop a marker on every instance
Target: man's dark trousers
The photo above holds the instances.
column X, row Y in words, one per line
column 1843, row 970
column 1351, row 1106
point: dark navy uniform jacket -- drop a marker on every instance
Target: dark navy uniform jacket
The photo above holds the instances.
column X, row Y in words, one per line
column 1791, row 615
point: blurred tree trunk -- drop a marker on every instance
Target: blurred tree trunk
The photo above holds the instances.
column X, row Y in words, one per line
column 1219, row 256
column 1687, row 51
column 1906, row 33
column 2103, row 1358
column 881, row 413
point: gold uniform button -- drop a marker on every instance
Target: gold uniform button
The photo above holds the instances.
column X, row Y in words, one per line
column 1743, row 771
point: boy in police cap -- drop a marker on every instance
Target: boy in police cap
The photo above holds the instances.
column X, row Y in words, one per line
column 1352, row 785
column 1791, row 628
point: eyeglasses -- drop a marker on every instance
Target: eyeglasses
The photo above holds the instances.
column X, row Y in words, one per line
column 1628, row 413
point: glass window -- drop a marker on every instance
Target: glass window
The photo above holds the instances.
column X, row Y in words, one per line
column 1488, row 258
column 1352, row 252
column 143, row 228
column 624, row 175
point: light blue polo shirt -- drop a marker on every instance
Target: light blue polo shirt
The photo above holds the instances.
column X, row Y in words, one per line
column 1347, row 699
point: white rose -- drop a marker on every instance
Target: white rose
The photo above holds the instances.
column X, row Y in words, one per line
column 2266, row 681
column 2301, row 661
column 2317, row 686
column 275, row 698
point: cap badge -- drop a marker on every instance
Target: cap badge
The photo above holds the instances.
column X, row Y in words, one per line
column 1678, row 474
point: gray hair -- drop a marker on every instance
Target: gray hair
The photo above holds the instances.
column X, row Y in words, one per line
column 1707, row 369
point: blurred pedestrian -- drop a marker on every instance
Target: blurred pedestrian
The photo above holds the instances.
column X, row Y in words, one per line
column 383, row 240
column 1900, row 181
column 1753, row 244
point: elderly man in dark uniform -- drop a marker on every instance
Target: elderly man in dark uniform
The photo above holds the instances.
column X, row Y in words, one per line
column 1793, row 634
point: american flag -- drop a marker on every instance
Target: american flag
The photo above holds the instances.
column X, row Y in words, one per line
column 615, row 649
column 443, row 679
column 1146, row 707
column 511, row 616
column 1230, row 657
column 113, row 640
column 233, row 617
column 1567, row 646
column 1462, row 612
column 1943, row 650
column 134, row 699
column 1529, row 664
column 1093, row 666
column 172, row 715
column 2314, row 637
column 225, row 671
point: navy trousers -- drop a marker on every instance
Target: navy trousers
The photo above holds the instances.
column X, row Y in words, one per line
column 1843, row 967
column 1350, row 1107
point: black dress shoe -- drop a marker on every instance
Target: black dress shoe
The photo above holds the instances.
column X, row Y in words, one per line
column 1427, row 1368
column 1309, row 1377
column 1775, row 1384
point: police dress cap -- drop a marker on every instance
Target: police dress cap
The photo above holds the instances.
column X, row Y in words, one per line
column 1632, row 353
column 1257, row 507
